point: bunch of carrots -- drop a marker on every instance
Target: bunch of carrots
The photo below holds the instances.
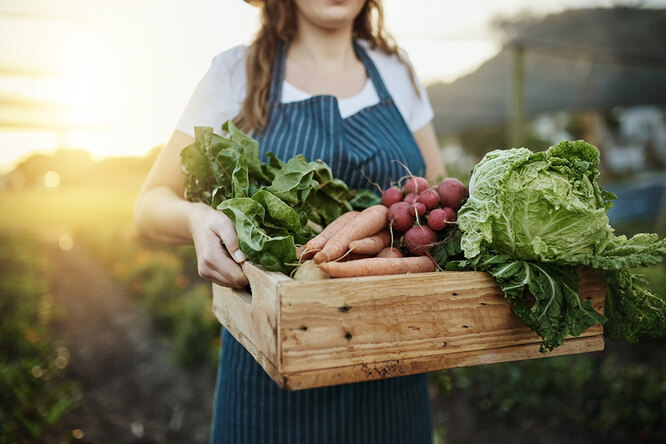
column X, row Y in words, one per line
column 394, row 237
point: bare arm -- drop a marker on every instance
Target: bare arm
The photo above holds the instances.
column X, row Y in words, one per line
column 163, row 214
column 427, row 142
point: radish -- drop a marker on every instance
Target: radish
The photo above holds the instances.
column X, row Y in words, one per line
column 450, row 214
column 415, row 184
column 419, row 240
column 430, row 198
column 417, row 209
column 451, row 192
column 411, row 198
column 391, row 195
column 437, row 219
column 398, row 216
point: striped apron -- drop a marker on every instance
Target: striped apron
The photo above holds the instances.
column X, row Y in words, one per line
column 249, row 407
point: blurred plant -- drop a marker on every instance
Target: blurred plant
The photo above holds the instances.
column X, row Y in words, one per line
column 34, row 394
column 165, row 280
column 592, row 395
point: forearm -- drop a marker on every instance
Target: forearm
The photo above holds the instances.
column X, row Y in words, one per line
column 164, row 216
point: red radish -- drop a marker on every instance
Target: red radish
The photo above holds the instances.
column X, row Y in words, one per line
column 417, row 209
column 430, row 198
column 391, row 196
column 411, row 198
column 450, row 214
column 452, row 192
column 415, row 184
column 398, row 216
column 437, row 219
column 420, row 239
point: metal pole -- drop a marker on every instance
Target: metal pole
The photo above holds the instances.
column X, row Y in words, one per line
column 517, row 101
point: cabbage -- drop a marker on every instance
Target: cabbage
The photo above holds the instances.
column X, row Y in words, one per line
column 542, row 206
column 532, row 219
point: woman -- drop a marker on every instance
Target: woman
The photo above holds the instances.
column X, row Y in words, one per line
column 320, row 79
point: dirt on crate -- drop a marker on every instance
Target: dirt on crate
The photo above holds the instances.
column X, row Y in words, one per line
column 131, row 389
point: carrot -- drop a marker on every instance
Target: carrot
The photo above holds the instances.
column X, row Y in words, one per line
column 373, row 244
column 390, row 252
column 317, row 243
column 376, row 266
column 366, row 223
column 352, row 256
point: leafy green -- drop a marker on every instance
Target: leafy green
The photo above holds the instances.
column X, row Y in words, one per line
column 271, row 203
column 555, row 311
column 532, row 219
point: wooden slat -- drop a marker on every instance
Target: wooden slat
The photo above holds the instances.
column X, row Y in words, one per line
column 394, row 368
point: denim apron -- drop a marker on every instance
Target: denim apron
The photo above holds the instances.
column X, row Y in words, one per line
column 249, row 407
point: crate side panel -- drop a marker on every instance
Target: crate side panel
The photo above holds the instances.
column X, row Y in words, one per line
column 253, row 315
column 350, row 322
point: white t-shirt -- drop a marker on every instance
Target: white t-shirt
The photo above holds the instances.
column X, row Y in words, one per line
column 220, row 93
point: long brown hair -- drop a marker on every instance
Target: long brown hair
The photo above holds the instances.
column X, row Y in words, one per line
column 278, row 27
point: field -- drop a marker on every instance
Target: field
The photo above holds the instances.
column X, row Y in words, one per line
column 140, row 311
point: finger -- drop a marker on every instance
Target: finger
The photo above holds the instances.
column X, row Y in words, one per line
column 227, row 233
column 222, row 270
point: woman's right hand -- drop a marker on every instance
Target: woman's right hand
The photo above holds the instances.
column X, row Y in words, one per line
column 216, row 244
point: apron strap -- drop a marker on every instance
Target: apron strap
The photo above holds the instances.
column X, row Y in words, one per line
column 275, row 93
column 372, row 71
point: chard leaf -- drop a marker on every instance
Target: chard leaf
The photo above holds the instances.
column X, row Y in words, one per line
column 282, row 215
column 293, row 182
column 267, row 202
column 274, row 251
column 251, row 148
column 364, row 199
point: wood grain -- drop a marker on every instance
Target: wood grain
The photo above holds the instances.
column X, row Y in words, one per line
column 316, row 333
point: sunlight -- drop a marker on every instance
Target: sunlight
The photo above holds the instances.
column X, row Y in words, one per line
column 51, row 179
column 65, row 242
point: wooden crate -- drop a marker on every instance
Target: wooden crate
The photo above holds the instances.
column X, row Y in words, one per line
column 320, row 333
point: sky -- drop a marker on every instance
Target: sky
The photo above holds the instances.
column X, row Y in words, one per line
column 118, row 73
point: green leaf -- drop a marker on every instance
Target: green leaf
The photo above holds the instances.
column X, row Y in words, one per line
column 274, row 252
column 364, row 199
column 632, row 309
column 642, row 250
column 544, row 297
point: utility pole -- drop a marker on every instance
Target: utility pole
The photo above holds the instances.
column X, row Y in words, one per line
column 516, row 129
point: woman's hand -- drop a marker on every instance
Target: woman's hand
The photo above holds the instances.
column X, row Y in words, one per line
column 216, row 245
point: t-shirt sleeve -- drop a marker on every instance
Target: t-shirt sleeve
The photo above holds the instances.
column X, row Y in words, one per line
column 219, row 94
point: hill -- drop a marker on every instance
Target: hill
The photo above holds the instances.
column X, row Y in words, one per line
column 575, row 60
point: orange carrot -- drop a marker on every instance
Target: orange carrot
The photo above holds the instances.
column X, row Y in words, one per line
column 376, row 266
column 373, row 244
column 366, row 223
column 351, row 256
column 390, row 252
column 317, row 243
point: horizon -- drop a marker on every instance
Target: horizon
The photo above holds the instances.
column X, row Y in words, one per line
column 107, row 69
